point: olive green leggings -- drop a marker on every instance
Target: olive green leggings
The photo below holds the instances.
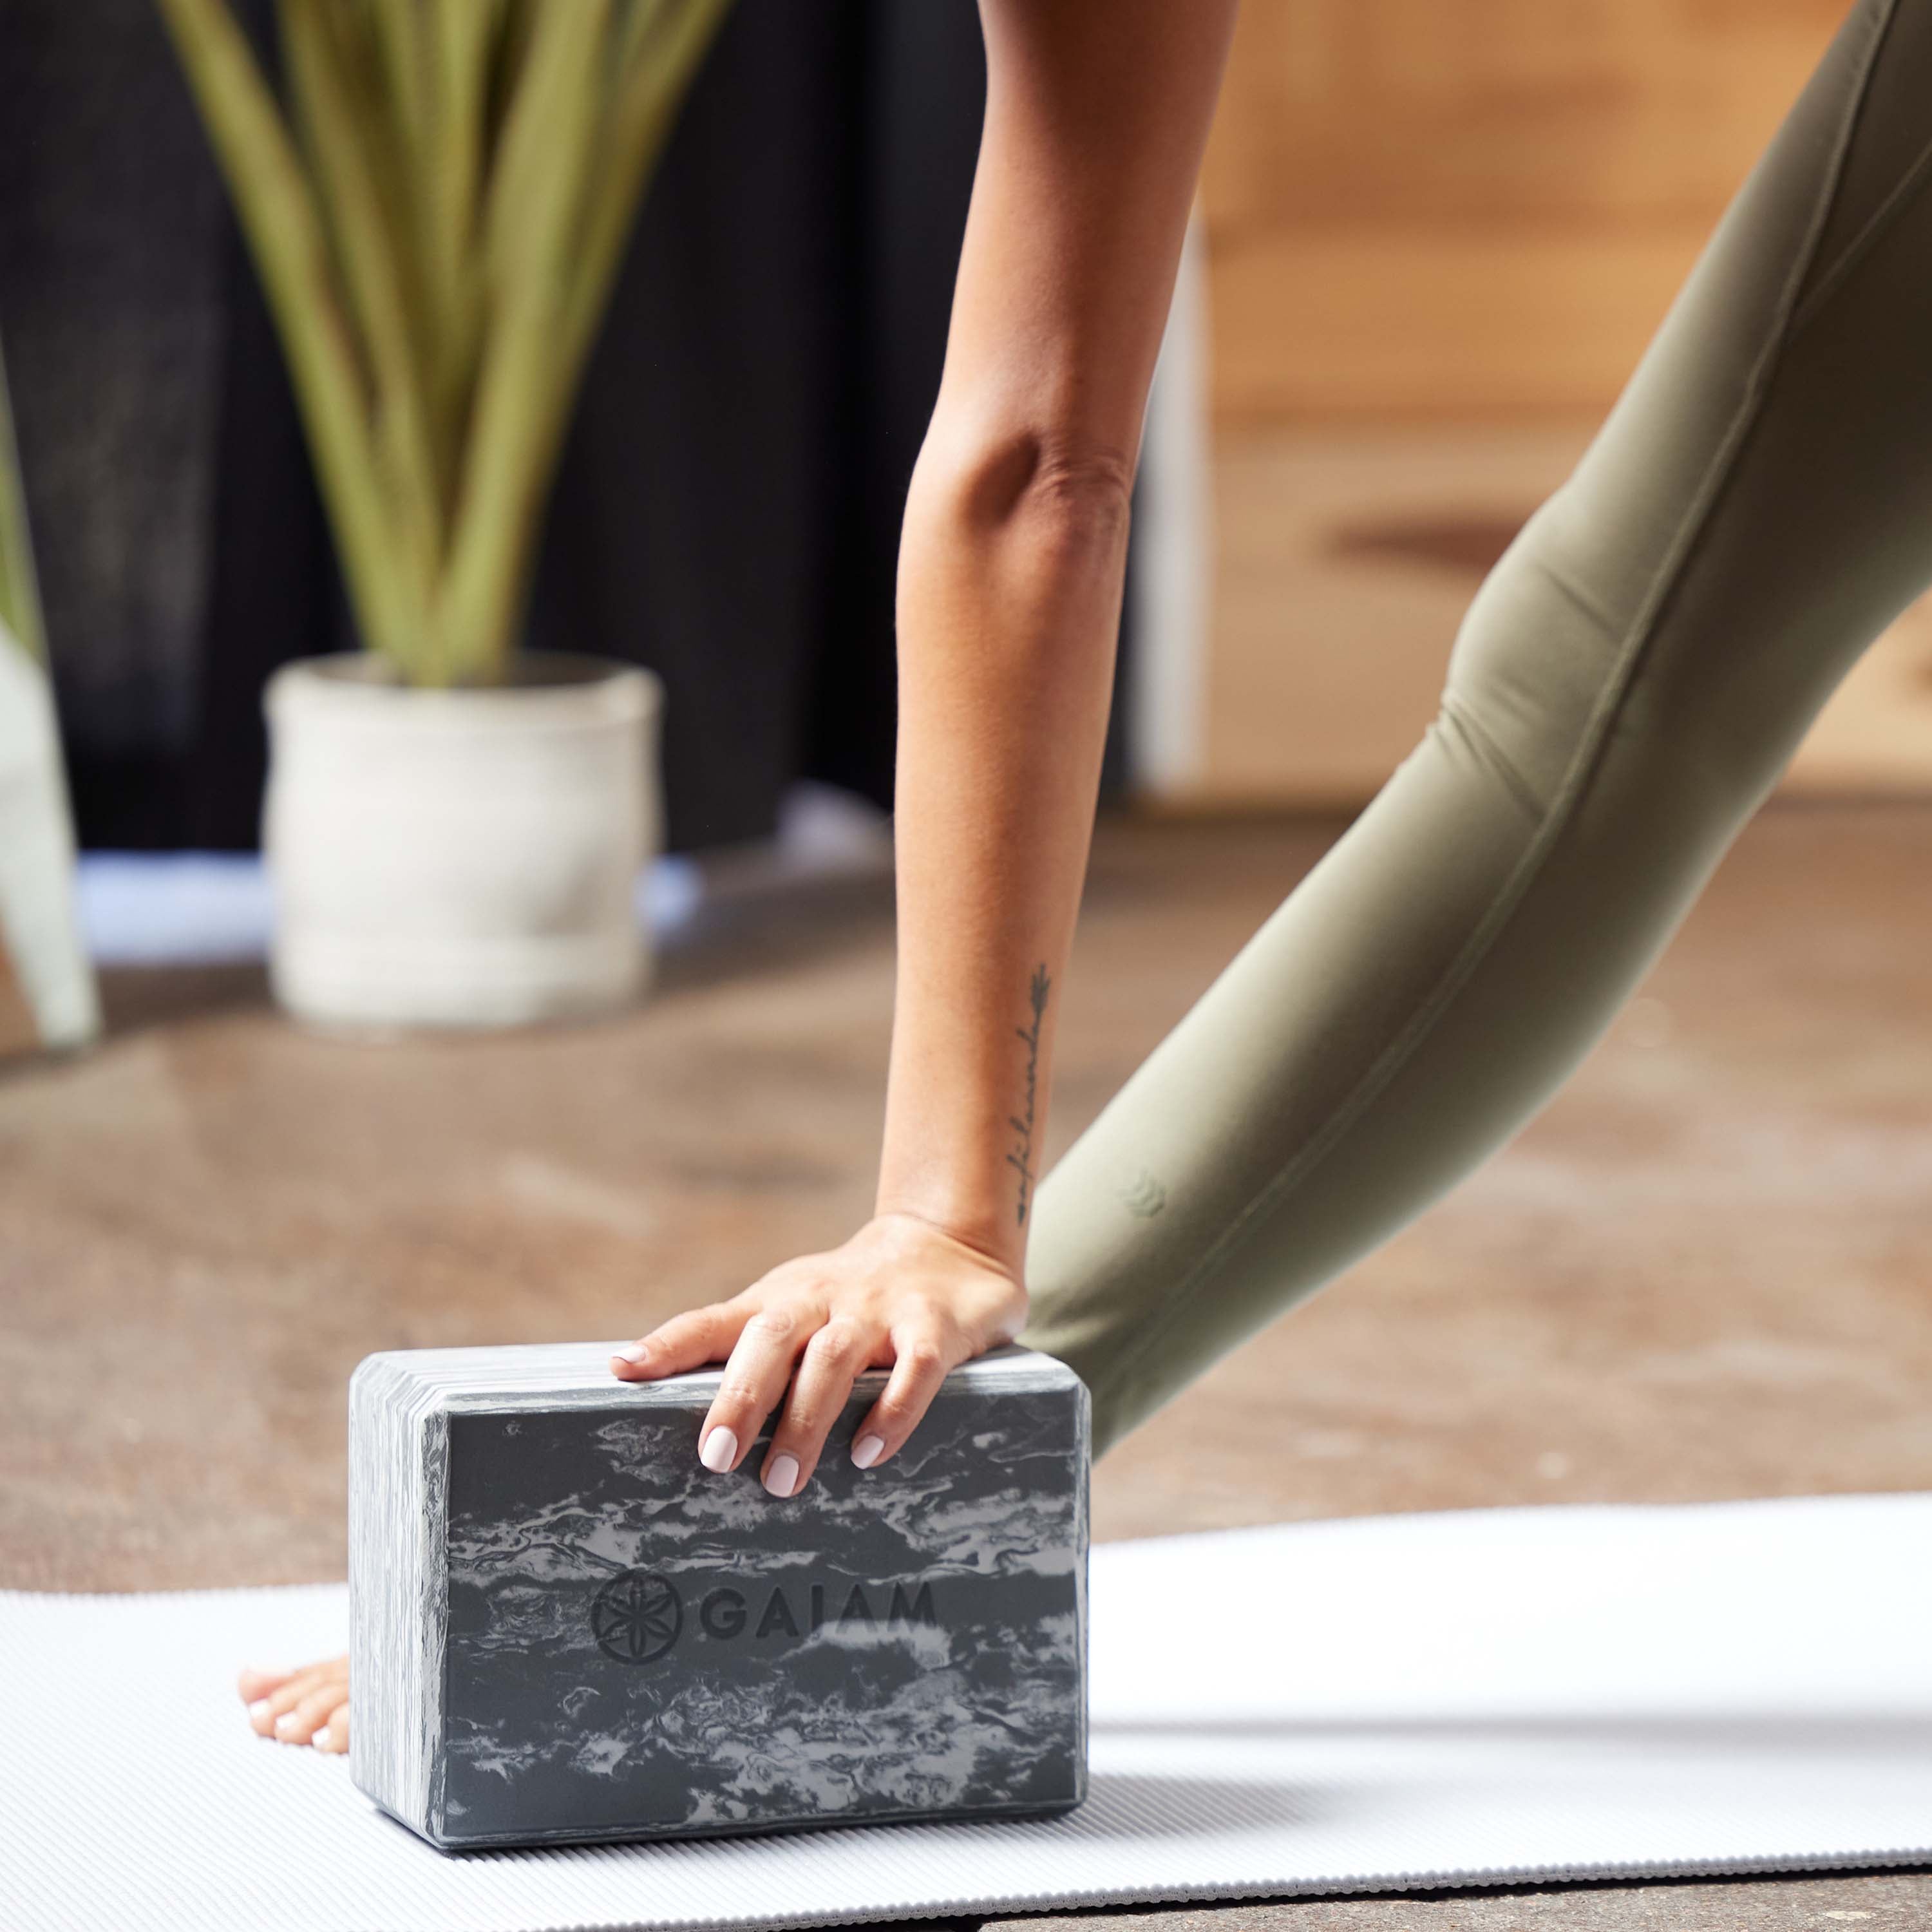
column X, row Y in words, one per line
column 1628, row 685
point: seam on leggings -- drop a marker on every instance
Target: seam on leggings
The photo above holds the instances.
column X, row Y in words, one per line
column 1904, row 191
column 1484, row 749
column 1584, row 763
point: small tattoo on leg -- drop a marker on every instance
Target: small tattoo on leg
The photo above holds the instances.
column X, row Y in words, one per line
column 1020, row 1157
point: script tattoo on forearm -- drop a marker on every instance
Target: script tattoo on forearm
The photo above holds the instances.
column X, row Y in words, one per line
column 1020, row 1157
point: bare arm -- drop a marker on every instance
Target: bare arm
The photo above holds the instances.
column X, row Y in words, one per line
column 1010, row 577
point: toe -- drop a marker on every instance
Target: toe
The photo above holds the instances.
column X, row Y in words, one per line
column 332, row 1735
column 266, row 1714
column 300, row 1724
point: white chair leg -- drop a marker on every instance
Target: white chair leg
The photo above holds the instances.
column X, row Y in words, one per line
column 38, row 922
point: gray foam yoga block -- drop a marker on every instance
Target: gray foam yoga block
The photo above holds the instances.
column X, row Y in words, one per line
column 563, row 1627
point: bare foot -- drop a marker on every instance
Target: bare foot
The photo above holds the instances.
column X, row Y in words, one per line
column 309, row 1706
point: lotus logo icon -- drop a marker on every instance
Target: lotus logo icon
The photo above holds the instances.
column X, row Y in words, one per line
column 637, row 1617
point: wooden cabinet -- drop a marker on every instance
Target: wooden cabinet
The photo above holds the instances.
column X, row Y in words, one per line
column 1458, row 207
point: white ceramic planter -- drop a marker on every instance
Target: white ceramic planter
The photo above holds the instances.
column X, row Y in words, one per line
column 459, row 858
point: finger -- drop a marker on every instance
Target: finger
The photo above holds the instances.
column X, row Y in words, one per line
column 253, row 1683
column 755, row 1380
column 334, row 1735
column 264, row 1712
column 924, row 1357
column 832, row 1360
column 298, row 1726
column 686, row 1341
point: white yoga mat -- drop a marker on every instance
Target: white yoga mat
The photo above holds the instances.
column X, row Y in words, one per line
column 1382, row 1703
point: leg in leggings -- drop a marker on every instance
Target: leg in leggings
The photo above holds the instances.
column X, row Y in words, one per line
column 1626, row 687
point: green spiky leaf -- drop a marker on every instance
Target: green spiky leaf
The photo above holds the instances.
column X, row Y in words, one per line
column 437, row 217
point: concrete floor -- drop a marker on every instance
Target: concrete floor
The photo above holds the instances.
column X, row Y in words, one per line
column 1701, row 1273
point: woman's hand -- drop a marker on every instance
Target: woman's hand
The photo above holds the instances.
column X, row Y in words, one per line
column 902, row 1293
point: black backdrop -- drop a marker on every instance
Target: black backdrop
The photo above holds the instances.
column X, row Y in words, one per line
column 727, row 508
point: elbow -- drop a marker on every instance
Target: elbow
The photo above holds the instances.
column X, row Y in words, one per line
column 1074, row 493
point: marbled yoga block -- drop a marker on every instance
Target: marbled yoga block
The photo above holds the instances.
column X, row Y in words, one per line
column 563, row 1627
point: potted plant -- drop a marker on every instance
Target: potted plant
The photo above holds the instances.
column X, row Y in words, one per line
column 453, row 827
column 40, row 936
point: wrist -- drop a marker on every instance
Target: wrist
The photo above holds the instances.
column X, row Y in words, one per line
column 982, row 1219
column 966, row 1107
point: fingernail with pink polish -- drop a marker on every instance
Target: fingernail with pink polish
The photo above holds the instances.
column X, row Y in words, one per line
column 719, row 1450
column 637, row 1351
column 867, row 1450
column 781, row 1478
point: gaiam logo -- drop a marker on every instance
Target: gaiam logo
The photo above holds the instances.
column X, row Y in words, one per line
column 638, row 1616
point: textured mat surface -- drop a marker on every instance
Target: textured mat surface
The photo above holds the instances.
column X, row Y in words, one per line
column 1376, row 1703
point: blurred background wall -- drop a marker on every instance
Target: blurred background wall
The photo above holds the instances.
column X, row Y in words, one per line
column 1437, row 235
column 1440, row 233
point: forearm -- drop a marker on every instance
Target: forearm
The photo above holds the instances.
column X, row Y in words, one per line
column 1009, row 606
column 1011, row 572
